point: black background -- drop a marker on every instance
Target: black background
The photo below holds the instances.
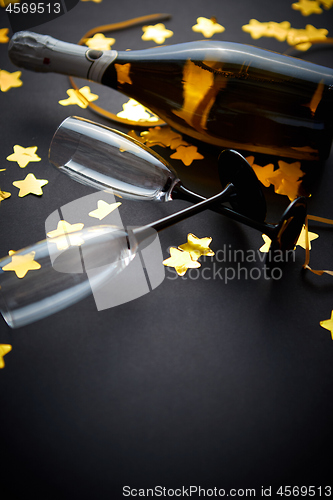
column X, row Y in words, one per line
column 197, row 383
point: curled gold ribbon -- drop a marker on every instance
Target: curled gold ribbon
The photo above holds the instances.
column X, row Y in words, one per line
column 116, row 27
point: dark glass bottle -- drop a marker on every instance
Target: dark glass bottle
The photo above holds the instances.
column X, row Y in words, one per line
column 226, row 94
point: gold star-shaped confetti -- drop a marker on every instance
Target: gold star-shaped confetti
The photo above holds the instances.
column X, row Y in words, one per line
column 287, row 179
column 134, row 111
column 302, row 238
column 157, row 32
column 21, row 264
column 138, row 138
column 4, row 349
column 123, row 71
column 9, row 80
column 3, row 35
column 63, row 237
column 23, row 156
column 103, row 209
column 328, row 324
column 80, row 97
column 278, row 30
column 4, row 195
column 327, row 4
column 100, row 42
column 187, row 154
column 4, row 3
column 197, row 247
column 208, row 27
column 181, row 261
column 263, row 173
column 301, row 39
column 30, row 185
column 307, row 7
column 162, row 136
column 266, row 246
column 255, row 28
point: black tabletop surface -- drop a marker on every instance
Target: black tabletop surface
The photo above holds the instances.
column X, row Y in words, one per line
column 201, row 382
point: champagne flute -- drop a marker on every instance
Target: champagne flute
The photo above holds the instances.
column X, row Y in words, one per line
column 107, row 159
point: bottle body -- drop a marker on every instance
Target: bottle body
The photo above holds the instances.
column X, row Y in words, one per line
column 227, row 94
column 233, row 96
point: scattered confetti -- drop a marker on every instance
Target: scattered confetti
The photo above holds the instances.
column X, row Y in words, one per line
column 133, row 110
column 100, row 42
column 63, row 237
column 287, row 179
column 307, row 7
column 4, row 195
column 138, row 138
column 181, row 261
column 269, row 29
column 327, row 4
column 263, row 173
column 187, row 154
column 208, row 27
column 23, row 156
column 266, row 246
column 328, row 324
column 103, row 209
column 197, row 247
column 3, row 35
column 80, row 97
column 157, row 32
column 163, row 136
column 301, row 39
column 9, row 80
column 4, row 349
column 21, row 264
column 123, row 71
column 303, row 237
column 30, row 185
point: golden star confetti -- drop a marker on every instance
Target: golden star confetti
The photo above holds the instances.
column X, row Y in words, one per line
column 3, row 35
column 4, row 349
column 9, row 80
column 4, row 195
column 327, row 4
column 103, row 209
column 328, row 324
column 305, row 238
column 197, row 247
column 187, row 154
column 158, row 33
column 80, row 97
column 23, row 156
column 123, row 71
column 307, row 7
column 301, row 39
column 100, row 42
column 4, row 3
column 21, row 264
column 268, row 29
column 133, row 110
column 138, row 138
column 30, row 185
column 63, row 237
column 208, row 27
column 263, row 173
column 181, row 261
column 266, row 246
column 287, row 179
column 163, row 136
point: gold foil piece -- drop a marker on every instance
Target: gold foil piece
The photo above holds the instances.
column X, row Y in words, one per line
column 305, row 238
column 3, row 35
column 208, row 27
column 4, row 349
column 301, row 38
column 63, row 237
column 197, row 247
column 181, row 261
column 267, row 243
column 30, row 185
column 103, row 209
column 157, row 32
column 134, row 111
column 328, row 324
column 9, row 80
column 307, row 7
column 163, row 136
column 123, row 71
column 4, row 195
column 100, row 42
column 23, row 156
column 270, row 29
column 80, row 97
column 187, row 154
column 21, row 264
column 263, row 173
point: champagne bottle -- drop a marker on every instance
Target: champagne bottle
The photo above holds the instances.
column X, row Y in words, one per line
column 223, row 93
